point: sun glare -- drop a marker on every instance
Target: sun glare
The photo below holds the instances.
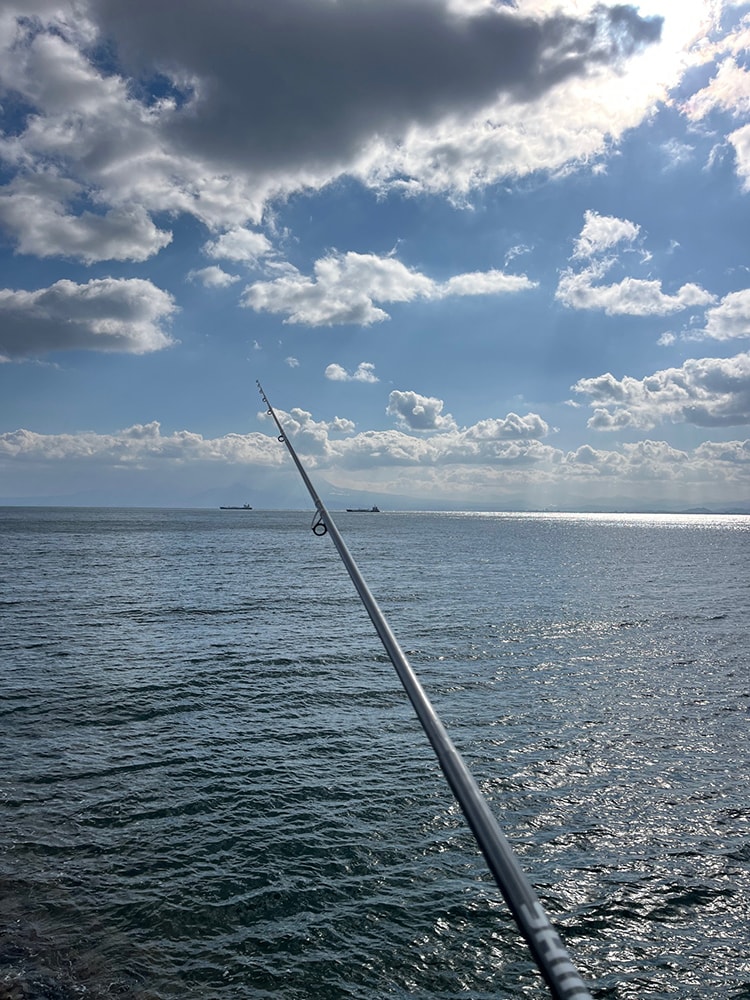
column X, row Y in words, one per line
column 686, row 29
column 685, row 21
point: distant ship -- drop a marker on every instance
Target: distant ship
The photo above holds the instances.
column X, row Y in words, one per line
column 363, row 510
column 245, row 506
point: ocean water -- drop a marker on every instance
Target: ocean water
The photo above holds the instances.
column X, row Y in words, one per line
column 212, row 785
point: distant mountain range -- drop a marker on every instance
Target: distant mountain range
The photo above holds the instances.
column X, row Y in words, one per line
column 273, row 492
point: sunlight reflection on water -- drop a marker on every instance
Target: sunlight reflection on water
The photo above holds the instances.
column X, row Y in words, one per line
column 211, row 783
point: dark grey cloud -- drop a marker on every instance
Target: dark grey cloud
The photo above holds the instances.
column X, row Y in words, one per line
column 127, row 315
column 277, row 83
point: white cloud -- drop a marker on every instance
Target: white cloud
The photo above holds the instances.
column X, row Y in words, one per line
column 345, row 288
column 676, row 154
column 364, row 372
column 419, row 413
column 213, row 277
column 138, row 445
column 602, row 232
column 511, row 427
column 336, row 373
column 292, row 362
column 733, row 42
column 484, row 283
column 239, row 244
column 449, row 464
column 629, row 297
column 516, row 251
column 107, row 314
column 342, row 291
column 34, row 210
column 729, row 91
column 427, row 437
column 311, row 436
column 341, row 425
column 730, row 319
column 642, row 459
column 735, row 453
column 707, row 392
column 318, row 441
column 740, row 140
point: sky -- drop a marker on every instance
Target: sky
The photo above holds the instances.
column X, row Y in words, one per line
column 479, row 254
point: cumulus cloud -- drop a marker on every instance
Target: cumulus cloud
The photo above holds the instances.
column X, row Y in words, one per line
column 445, row 464
column 397, row 93
column 341, row 425
column 729, row 91
column 107, row 314
column 487, row 439
column 602, row 232
column 730, row 319
column 35, row 212
column 138, row 445
column 481, row 462
column 659, row 466
column 512, row 427
column 450, row 451
column 113, row 164
column 740, row 140
column 213, row 277
column 735, row 453
column 628, row 297
column 239, row 244
column 345, row 288
column 323, row 443
column 91, row 204
column 425, row 437
column 364, row 372
column 310, row 436
column 646, row 459
column 706, row 392
column 419, row 413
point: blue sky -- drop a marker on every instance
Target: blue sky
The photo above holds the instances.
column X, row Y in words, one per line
column 479, row 254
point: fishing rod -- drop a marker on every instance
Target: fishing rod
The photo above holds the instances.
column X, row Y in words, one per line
column 547, row 949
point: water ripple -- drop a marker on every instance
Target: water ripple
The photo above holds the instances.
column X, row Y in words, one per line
column 211, row 785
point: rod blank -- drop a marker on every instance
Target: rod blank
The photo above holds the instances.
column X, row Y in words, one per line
column 547, row 949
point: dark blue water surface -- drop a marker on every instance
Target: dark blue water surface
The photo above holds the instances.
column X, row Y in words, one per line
column 212, row 785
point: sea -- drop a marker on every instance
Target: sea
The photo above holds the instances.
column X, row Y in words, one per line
column 213, row 786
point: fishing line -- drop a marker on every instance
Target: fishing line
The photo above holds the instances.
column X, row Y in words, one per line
column 547, row 949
